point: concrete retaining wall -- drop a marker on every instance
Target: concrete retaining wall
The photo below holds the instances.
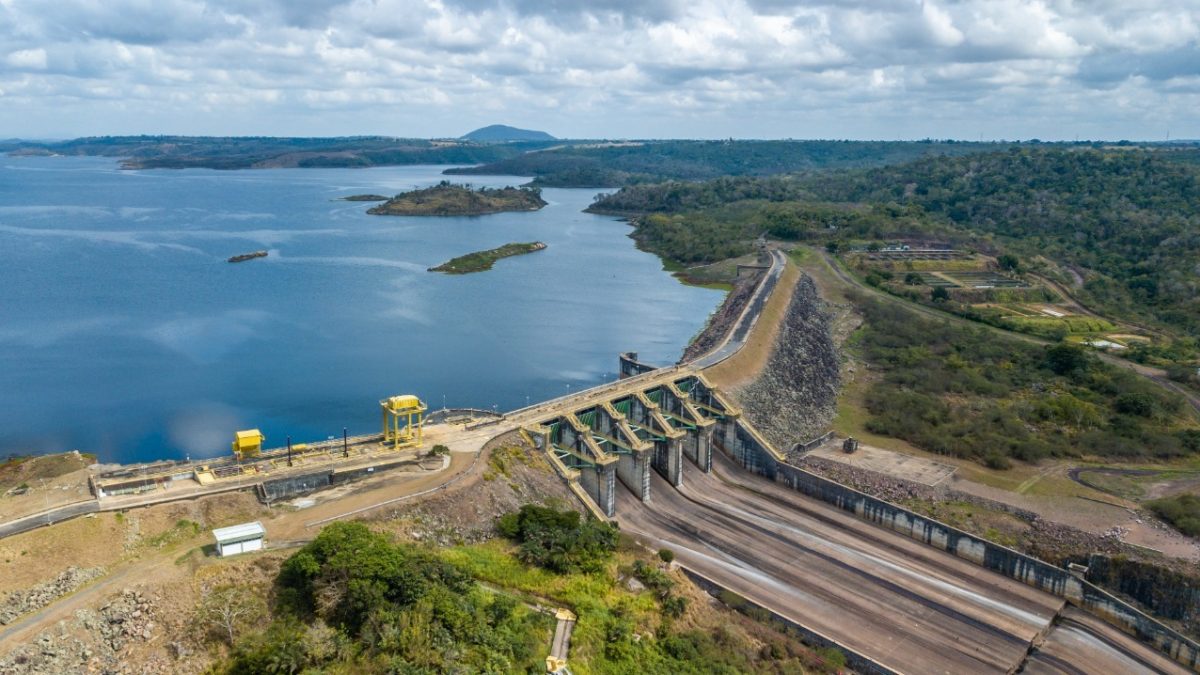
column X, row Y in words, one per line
column 294, row 486
column 751, row 453
column 816, row 442
column 630, row 366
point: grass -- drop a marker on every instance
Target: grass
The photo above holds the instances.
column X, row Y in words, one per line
column 621, row 631
column 481, row 261
column 1181, row 511
column 593, row 597
column 503, row 459
column 995, row 525
column 18, row 469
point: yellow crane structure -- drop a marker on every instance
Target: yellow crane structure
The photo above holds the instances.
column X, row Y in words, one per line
column 403, row 417
column 247, row 443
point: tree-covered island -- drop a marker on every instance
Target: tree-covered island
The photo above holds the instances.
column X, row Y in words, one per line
column 448, row 199
column 481, row 261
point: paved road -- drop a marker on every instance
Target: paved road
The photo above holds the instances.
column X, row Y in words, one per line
column 903, row 604
column 55, row 515
column 741, row 331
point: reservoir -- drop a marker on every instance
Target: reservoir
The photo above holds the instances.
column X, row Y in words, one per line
column 124, row 332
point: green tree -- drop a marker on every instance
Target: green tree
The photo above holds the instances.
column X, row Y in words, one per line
column 939, row 294
column 1066, row 359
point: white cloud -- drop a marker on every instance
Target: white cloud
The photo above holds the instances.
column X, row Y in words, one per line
column 27, row 59
column 838, row 68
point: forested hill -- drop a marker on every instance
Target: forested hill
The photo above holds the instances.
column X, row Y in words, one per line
column 1127, row 220
column 629, row 163
column 1130, row 219
column 247, row 152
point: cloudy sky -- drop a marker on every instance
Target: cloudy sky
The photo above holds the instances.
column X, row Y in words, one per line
column 1050, row 69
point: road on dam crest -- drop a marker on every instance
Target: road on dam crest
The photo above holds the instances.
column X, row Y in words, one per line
column 908, row 607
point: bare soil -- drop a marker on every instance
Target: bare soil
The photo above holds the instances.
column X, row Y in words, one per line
column 31, row 485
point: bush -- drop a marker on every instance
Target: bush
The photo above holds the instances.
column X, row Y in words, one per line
column 1139, row 404
column 1181, row 511
column 997, row 461
column 353, row 597
column 558, row 540
column 666, row 555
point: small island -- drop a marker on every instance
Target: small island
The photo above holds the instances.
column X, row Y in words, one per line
column 365, row 198
column 243, row 257
column 480, row 261
column 448, row 199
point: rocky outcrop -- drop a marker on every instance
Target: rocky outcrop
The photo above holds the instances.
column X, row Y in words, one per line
column 93, row 641
column 723, row 319
column 795, row 396
column 19, row 603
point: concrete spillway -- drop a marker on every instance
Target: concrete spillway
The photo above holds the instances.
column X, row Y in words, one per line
column 907, row 606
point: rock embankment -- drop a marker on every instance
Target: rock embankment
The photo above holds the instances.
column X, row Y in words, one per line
column 94, row 641
column 795, row 396
column 723, row 319
column 19, row 603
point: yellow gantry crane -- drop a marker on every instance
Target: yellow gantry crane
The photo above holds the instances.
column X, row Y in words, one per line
column 403, row 417
column 247, row 443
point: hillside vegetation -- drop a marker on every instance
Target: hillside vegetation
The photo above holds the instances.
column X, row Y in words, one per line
column 249, row 152
column 354, row 601
column 1127, row 220
column 502, row 133
column 446, row 199
column 617, row 164
column 968, row 392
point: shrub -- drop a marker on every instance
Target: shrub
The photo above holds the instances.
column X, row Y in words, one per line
column 1181, row 511
column 666, row 555
column 558, row 540
column 1136, row 403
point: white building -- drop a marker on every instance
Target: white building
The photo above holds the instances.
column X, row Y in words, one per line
column 239, row 538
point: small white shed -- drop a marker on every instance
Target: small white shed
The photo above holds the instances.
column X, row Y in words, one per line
column 239, row 538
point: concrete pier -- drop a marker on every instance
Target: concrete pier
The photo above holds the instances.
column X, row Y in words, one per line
column 651, row 419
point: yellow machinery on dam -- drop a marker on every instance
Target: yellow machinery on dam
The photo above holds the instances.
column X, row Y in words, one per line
column 403, row 418
column 247, row 443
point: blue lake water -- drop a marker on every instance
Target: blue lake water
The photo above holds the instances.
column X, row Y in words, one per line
column 124, row 331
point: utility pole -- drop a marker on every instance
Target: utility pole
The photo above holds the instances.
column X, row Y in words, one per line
column 345, row 443
column 45, row 500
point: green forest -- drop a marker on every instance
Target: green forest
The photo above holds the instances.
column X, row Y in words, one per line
column 968, row 392
column 1127, row 220
column 448, row 199
column 248, row 152
column 618, row 164
column 355, row 601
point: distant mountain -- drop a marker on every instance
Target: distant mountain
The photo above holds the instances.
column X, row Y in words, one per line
column 499, row 133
